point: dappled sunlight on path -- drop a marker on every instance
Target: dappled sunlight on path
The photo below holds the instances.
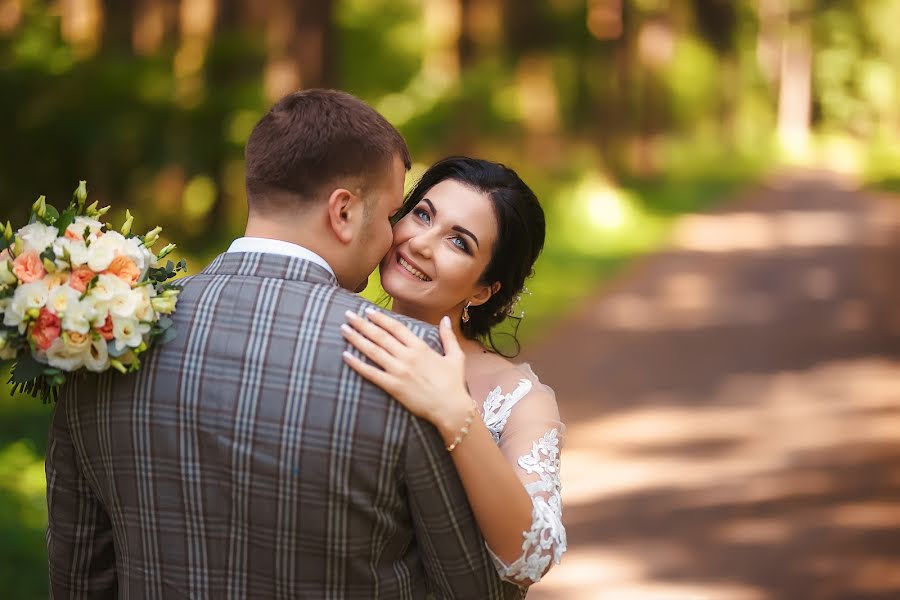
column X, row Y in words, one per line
column 733, row 408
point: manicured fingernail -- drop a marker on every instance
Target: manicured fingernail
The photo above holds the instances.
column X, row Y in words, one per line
column 346, row 354
column 346, row 328
column 445, row 320
column 351, row 315
column 369, row 310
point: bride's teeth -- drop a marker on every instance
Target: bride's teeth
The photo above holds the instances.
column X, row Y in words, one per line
column 412, row 269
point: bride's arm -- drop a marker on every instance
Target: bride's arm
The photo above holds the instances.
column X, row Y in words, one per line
column 433, row 387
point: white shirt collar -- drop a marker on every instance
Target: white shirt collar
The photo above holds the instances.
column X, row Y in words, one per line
column 269, row 246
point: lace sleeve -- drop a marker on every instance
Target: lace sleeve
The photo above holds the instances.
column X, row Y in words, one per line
column 526, row 425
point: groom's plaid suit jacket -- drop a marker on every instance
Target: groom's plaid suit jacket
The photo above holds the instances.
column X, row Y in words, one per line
column 245, row 460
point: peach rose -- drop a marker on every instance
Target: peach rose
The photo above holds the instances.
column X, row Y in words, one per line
column 28, row 267
column 72, row 235
column 45, row 329
column 106, row 331
column 123, row 268
column 80, row 277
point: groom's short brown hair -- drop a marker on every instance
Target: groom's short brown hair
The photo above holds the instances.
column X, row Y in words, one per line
column 313, row 138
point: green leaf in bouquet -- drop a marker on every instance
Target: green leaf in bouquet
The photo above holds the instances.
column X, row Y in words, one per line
column 26, row 369
column 66, row 219
column 4, row 243
column 167, row 336
column 52, row 215
column 164, row 322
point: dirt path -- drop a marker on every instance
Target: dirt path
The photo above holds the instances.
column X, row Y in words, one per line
column 733, row 407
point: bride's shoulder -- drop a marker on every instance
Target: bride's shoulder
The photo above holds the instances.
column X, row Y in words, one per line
column 519, row 379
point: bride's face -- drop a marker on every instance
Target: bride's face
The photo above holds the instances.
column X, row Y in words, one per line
column 440, row 250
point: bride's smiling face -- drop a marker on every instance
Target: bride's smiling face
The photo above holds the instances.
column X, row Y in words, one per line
column 440, row 250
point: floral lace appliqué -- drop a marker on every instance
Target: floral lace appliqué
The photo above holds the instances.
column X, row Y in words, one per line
column 546, row 540
column 498, row 407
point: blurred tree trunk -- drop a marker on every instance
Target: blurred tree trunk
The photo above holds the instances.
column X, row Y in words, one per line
column 82, row 25
column 153, row 20
column 784, row 50
column 795, row 87
column 301, row 46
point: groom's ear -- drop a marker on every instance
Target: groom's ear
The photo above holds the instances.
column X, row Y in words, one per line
column 344, row 214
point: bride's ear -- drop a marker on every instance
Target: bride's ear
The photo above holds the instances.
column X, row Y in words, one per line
column 484, row 294
column 345, row 214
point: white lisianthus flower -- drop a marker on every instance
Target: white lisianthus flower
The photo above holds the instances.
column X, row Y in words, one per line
column 97, row 358
column 27, row 296
column 61, row 298
column 79, row 315
column 128, row 333
column 37, row 236
column 76, row 229
column 125, row 304
column 108, row 287
column 65, row 356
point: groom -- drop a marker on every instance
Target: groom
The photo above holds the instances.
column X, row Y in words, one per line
column 245, row 460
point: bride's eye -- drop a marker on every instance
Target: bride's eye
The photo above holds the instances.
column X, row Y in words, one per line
column 422, row 215
column 461, row 243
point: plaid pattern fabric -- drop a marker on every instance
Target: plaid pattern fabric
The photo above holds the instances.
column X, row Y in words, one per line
column 245, row 460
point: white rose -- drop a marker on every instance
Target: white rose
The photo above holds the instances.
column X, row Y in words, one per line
column 97, row 358
column 78, row 254
column 67, row 357
column 136, row 252
column 108, row 287
column 37, row 236
column 101, row 253
column 27, row 296
column 61, row 298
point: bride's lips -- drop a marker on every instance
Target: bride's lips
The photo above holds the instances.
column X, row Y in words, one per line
column 398, row 257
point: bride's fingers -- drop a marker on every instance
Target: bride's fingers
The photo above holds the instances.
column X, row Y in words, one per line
column 367, row 371
column 375, row 333
column 370, row 350
column 448, row 338
column 393, row 326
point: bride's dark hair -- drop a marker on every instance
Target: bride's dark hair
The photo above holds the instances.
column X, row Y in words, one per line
column 520, row 235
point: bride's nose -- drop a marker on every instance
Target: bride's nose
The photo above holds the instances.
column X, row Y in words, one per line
column 421, row 245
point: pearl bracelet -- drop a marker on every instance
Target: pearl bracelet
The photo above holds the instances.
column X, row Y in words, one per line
column 464, row 430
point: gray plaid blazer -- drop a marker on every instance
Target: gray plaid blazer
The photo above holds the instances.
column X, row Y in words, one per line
column 246, row 460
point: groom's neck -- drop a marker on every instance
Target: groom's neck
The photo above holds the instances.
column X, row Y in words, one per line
column 288, row 229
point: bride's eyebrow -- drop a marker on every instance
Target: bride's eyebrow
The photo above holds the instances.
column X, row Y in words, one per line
column 455, row 227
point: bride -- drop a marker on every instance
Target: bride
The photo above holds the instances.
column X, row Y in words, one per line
column 465, row 239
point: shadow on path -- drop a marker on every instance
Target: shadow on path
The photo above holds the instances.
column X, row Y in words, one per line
column 733, row 406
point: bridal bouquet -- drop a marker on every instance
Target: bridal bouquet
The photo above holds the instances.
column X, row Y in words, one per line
column 77, row 295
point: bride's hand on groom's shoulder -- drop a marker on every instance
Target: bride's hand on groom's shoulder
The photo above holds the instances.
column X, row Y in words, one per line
column 428, row 384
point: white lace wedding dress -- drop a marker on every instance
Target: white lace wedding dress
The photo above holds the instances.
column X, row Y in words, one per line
column 523, row 418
